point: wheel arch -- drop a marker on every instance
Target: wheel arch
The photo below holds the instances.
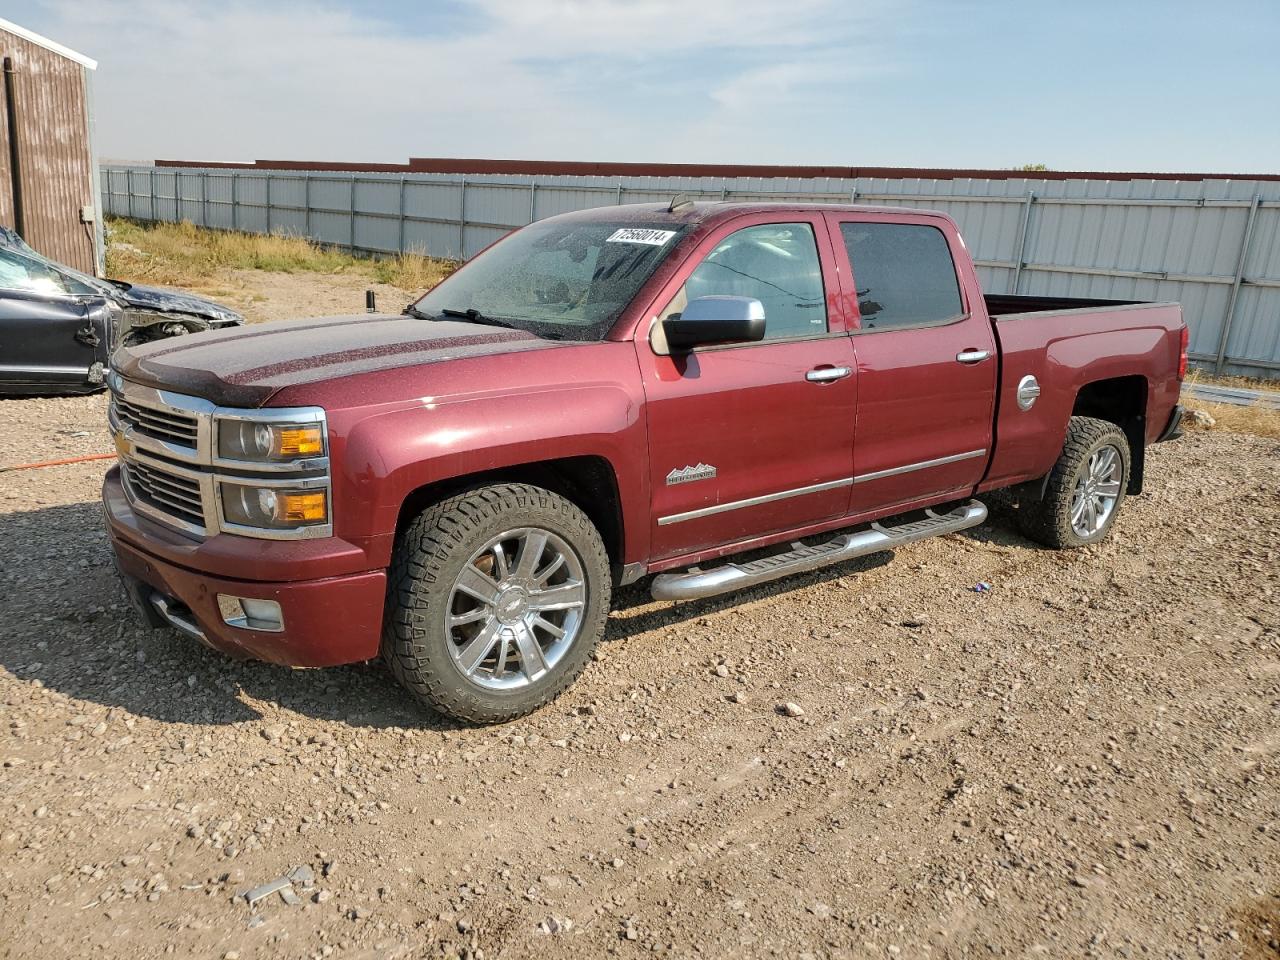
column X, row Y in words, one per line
column 589, row 482
column 1122, row 401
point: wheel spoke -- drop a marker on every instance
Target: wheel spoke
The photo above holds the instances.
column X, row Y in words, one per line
column 1090, row 515
column 472, row 655
column 1077, row 508
column 532, row 662
column 532, row 547
column 471, row 616
column 1110, row 488
column 478, row 584
column 501, row 570
column 1106, row 463
column 504, row 647
column 545, row 573
column 548, row 626
column 564, row 596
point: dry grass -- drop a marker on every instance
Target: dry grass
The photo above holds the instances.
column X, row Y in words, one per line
column 184, row 255
column 1256, row 419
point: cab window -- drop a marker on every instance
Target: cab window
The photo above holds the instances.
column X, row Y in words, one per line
column 774, row 263
column 904, row 274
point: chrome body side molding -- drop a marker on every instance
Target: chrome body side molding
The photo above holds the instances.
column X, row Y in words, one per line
column 922, row 465
column 753, row 501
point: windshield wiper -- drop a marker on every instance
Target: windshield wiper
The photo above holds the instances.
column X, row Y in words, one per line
column 475, row 316
column 413, row 311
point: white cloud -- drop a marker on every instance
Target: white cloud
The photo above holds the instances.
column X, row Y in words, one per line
column 533, row 78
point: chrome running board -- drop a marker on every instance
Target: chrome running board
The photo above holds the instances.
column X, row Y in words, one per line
column 695, row 584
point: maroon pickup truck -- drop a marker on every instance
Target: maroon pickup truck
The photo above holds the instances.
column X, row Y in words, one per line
column 603, row 396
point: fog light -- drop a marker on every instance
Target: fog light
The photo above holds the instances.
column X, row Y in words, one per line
column 250, row 614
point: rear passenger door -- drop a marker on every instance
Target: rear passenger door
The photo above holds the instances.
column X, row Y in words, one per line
column 925, row 355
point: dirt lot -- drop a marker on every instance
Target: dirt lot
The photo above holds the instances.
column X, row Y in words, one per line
column 1081, row 762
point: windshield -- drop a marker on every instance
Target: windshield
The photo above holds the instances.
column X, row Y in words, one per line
column 567, row 279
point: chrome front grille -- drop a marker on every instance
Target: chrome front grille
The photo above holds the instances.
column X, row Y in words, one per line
column 169, row 425
column 171, row 468
column 165, row 490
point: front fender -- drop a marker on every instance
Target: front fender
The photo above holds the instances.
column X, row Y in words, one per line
column 383, row 455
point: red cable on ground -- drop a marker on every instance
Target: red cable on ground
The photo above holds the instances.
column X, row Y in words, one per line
column 58, row 463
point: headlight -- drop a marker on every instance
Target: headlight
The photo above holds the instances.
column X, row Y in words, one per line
column 273, row 507
column 250, row 441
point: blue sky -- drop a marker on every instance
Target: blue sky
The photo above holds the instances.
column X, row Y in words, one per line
column 1167, row 86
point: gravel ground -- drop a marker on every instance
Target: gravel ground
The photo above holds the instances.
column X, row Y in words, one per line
column 1080, row 762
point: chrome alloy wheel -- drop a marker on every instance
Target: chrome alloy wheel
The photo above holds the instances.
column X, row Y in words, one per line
column 1096, row 492
column 516, row 608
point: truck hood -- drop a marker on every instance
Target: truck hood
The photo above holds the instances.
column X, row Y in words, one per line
column 245, row 366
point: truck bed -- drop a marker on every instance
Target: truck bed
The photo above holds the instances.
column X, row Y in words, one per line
column 1004, row 304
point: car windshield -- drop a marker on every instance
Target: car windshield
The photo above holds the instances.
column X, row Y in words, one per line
column 564, row 280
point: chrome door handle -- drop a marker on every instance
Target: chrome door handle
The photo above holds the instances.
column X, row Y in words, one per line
column 972, row 356
column 827, row 374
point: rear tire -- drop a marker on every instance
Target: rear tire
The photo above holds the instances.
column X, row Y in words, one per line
column 496, row 599
column 1085, row 489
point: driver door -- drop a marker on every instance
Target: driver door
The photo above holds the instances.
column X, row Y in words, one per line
column 50, row 334
column 751, row 439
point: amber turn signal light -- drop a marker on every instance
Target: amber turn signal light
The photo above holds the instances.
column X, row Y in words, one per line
column 300, row 442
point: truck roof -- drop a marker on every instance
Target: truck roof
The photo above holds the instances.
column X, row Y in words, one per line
column 710, row 211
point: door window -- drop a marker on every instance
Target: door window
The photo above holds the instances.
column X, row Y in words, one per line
column 30, row 276
column 904, row 274
column 775, row 263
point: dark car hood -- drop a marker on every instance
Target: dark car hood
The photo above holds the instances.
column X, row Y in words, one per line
column 172, row 301
column 244, row 366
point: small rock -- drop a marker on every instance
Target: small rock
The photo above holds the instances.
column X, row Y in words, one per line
column 790, row 709
column 273, row 731
column 722, row 670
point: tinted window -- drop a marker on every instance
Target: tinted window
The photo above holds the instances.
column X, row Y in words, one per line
column 776, row 264
column 903, row 272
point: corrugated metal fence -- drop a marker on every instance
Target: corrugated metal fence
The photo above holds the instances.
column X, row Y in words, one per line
column 1213, row 245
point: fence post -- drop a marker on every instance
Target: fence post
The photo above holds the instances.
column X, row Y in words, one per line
column 619, row 200
column 1229, row 316
column 306, row 205
column 128, row 179
column 351, row 204
column 533, row 199
column 235, row 201
column 462, row 221
column 1021, row 254
column 267, row 180
column 204, row 200
column 401, row 243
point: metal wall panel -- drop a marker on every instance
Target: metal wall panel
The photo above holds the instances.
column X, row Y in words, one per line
column 1213, row 245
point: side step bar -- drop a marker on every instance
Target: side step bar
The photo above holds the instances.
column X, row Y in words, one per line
column 695, row 584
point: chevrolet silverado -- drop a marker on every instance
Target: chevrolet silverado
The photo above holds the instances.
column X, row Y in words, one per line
column 625, row 392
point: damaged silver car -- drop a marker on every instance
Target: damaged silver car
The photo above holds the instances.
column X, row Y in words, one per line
column 58, row 326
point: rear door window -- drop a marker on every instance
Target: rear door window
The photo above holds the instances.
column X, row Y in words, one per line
column 904, row 274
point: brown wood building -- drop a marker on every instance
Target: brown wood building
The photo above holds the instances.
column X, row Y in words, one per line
column 48, row 169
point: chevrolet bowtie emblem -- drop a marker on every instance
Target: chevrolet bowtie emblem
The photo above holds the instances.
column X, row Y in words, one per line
column 703, row 471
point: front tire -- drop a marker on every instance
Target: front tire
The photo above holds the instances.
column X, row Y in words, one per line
column 1085, row 490
column 496, row 599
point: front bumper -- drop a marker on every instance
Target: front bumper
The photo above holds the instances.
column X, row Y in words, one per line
column 327, row 620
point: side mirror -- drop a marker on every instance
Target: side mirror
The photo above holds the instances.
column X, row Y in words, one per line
column 715, row 320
